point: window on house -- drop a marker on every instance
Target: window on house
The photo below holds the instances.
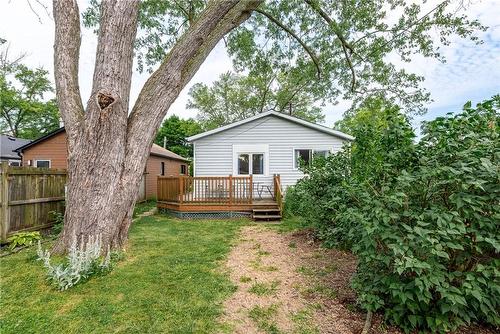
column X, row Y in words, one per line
column 15, row 163
column 162, row 168
column 183, row 169
column 42, row 163
column 251, row 163
column 243, row 164
column 321, row 153
column 302, row 156
column 258, row 164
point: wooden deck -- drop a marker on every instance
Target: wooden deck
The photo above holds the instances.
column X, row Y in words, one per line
column 218, row 194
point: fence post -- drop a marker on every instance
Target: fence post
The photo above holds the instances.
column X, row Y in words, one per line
column 5, row 218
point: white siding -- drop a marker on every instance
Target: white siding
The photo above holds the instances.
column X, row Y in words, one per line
column 214, row 153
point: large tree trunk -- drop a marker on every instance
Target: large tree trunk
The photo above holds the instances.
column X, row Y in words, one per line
column 108, row 147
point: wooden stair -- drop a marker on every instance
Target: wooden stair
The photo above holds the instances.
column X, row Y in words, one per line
column 269, row 213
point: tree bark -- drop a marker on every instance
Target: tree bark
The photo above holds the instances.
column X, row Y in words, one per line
column 107, row 146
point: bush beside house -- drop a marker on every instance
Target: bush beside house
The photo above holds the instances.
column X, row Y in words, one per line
column 421, row 217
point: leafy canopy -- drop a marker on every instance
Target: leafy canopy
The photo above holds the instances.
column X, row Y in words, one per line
column 327, row 49
column 235, row 97
column 174, row 131
column 24, row 112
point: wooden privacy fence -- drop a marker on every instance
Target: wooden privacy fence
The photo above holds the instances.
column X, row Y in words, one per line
column 27, row 197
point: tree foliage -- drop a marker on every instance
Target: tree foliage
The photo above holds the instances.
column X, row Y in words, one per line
column 24, row 111
column 235, row 97
column 324, row 49
column 422, row 218
column 174, row 132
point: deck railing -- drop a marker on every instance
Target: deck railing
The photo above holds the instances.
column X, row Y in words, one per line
column 206, row 189
column 278, row 192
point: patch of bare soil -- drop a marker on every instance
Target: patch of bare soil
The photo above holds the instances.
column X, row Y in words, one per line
column 267, row 299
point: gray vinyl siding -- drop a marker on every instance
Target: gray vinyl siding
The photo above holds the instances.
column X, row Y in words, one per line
column 214, row 154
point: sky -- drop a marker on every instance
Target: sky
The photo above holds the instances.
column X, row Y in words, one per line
column 471, row 72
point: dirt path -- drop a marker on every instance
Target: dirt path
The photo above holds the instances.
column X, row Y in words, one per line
column 275, row 291
column 287, row 283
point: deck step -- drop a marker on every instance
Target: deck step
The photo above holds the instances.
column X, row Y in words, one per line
column 273, row 217
column 266, row 210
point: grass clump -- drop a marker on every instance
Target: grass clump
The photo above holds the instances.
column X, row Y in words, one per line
column 245, row 279
column 264, row 318
column 143, row 207
column 264, row 289
column 303, row 322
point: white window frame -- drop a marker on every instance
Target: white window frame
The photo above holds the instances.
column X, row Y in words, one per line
column 16, row 161
column 313, row 150
column 250, row 150
column 36, row 162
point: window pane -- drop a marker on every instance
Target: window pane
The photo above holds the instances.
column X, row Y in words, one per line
column 43, row 164
column 303, row 156
column 243, row 164
column 15, row 163
column 183, row 169
column 323, row 153
column 162, row 168
column 257, row 163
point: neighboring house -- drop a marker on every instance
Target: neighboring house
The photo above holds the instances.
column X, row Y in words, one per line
column 50, row 151
column 8, row 145
column 263, row 145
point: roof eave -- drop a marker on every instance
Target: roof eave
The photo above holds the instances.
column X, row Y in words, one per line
column 269, row 113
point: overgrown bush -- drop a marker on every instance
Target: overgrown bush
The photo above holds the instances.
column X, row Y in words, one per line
column 422, row 218
column 82, row 263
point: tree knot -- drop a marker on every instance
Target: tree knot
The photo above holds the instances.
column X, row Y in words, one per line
column 104, row 100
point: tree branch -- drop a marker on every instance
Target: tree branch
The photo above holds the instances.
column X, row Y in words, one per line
column 177, row 69
column 66, row 55
column 295, row 36
column 345, row 45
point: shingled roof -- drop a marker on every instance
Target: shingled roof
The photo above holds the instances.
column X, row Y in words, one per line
column 163, row 152
column 9, row 144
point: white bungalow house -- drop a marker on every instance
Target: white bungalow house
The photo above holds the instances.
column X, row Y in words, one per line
column 243, row 168
column 263, row 145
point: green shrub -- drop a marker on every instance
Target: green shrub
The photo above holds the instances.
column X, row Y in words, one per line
column 422, row 218
column 83, row 262
column 58, row 218
column 23, row 239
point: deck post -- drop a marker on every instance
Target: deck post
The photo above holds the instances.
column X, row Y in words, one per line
column 251, row 188
column 181, row 189
column 230, row 189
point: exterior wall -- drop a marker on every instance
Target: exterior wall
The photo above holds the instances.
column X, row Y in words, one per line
column 214, row 154
column 153, row 170
column 53, row 149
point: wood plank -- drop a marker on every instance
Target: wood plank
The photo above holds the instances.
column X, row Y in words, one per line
column 37, row 200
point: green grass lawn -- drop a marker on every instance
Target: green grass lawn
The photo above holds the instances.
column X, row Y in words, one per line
column 170, row 281
column 143, row 207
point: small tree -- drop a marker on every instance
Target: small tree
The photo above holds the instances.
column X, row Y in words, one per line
column 174, row 131
column 23, row 111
